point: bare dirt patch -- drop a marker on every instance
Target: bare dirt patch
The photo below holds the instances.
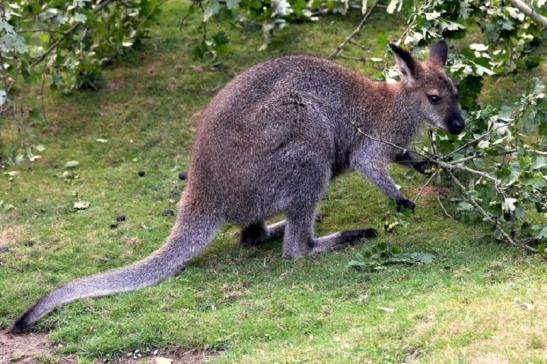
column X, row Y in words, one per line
column 10, row 233
column 27, row 348
column 432, row 191
column 114, row 84
column 34, row 348
column 176, row 357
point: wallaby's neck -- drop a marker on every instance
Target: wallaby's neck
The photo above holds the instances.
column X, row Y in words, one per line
column 388, row 112
column 406, row 119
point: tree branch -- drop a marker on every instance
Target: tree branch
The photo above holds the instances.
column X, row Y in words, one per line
column 457, row 165
column 352, row 35
column 530, row 12
column 488, row 217
column 442, row 207
column 65, row 34
column 450, row 167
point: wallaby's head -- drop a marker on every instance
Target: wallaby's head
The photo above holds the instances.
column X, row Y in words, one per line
column 431, row 93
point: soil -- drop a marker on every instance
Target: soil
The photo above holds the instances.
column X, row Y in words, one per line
column 432, row 191
column 34, row 348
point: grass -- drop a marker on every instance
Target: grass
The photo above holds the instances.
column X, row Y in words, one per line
column 479, row 301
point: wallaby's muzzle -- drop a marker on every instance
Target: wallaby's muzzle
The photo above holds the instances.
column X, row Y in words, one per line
column 455, row 124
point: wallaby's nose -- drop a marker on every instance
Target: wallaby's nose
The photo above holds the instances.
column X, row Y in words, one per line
column 456, row 124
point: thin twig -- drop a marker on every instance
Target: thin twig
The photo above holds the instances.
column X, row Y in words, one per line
column 403, row 149
column 432, row 158
column 349, row 58
column 44, row 115
column 442, row 207
column 488, row 217
column 422, row 188
column 41, row 30
column 465, row 159
column 354, row 43
column 477, row 139
column 352, row 35
column 512, row 151
column 187, row 15
column 463, row 167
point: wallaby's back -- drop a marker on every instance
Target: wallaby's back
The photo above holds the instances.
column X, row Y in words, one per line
column 258, row 130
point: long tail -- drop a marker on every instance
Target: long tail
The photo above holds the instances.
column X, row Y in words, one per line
column 188, row 237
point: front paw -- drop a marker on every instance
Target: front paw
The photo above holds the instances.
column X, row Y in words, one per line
column 403, row 203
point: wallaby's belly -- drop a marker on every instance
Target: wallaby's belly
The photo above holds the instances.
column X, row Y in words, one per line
column 257, row 178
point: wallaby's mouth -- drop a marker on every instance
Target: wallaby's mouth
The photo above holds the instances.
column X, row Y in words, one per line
column 456, row 124
column 456, row 128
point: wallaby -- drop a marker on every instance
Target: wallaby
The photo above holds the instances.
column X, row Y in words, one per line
column 269, row 143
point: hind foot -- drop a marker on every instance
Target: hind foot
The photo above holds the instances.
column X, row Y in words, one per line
column 341, row 239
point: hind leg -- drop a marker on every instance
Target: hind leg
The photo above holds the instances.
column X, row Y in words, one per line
column 259, row 232
column 299, row 240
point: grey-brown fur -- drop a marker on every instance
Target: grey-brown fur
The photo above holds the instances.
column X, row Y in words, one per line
column 268, row 144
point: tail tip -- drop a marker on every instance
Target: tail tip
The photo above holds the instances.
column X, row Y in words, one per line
column 20, row 325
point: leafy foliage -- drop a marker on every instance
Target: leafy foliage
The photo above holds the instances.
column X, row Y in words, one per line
column 500, row 155
column 268, row 15
column 381, row 255
column 71, row 40
column 63, row 43
column 508, row 38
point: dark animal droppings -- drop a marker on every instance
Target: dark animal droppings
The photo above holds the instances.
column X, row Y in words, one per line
column 120, row 218
column 168, row 212
column 141, row 173
column 183, row 176
column 113, row 226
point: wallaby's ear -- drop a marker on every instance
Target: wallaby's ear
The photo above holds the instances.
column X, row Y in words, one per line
column 408, row 66
column 438, row 53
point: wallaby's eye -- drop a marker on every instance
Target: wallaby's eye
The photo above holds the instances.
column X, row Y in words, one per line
column 434, row 99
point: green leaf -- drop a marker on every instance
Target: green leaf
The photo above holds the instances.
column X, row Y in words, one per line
column 72, row 164
column 232, row 4
column 539, row 163
column 540, row 231
column 508, row 204
column 80, row 18
column 394, row 5
column 537, row 182
column 212, row 9
column 465, row 206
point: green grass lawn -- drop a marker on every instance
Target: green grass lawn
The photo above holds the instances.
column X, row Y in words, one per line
column 478, row 301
